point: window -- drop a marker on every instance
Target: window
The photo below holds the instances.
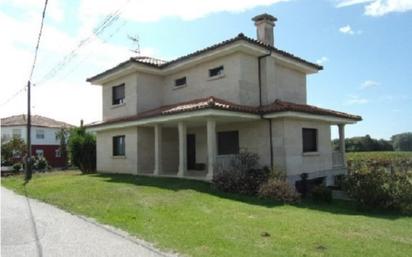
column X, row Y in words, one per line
column 39, row 152
column 180, row 82
column 310, row 140
column 119, row 146
column 58, row 153
column 218, row 71
column 228, row 142
column 118, row 94
column 17, row 133
column 39, row 134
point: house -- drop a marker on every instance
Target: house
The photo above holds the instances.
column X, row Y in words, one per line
column 43, row 136
column 189, row 116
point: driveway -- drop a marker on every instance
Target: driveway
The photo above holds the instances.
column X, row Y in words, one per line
column 32, row 228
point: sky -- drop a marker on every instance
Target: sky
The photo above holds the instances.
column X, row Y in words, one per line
column 365, row 47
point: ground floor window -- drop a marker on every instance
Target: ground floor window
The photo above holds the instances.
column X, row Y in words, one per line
column 228, row 142
column 58, row 153
column 119, row 146
column 39, row 152
column 310, row 140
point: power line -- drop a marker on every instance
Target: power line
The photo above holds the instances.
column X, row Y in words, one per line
column 13, row 96
column 38, row 40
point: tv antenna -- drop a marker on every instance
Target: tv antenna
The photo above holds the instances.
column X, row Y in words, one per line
column 136, row 42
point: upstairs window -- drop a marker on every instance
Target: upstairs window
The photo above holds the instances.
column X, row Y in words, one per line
column 118, row 94
column 180, row 82
column 16, row 133
column 228, row 142
column 119, row 146
column 310, row 140
column 39, row 134
column 215, row 72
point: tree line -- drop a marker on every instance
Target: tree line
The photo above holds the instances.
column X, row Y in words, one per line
column 398, row 142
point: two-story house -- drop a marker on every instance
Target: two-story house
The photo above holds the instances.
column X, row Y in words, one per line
column 187, row 117
column 43, row 136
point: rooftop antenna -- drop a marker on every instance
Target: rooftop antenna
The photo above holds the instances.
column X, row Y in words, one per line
column 135, row 41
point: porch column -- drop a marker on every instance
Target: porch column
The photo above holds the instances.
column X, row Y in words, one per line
column 211, row 147
column 182, row 149
column 158, row 149
column 342, row 142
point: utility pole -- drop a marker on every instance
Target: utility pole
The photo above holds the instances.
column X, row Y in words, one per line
column 28, row 159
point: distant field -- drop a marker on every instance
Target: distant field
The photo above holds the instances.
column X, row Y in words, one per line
column 398, row 161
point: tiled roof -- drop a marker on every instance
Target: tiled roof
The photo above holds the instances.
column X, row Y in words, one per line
column 36, row 120
column 220, row 104
column 160, row 64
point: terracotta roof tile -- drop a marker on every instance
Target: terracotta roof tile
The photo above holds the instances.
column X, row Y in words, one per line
column 220, row 104
column 36, row 120
column 160, row 64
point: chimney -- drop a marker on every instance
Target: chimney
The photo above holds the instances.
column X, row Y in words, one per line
column 264, row 28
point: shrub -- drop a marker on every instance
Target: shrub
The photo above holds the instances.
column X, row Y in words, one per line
column 380, row 190
column 17, row 167
column 242, row 176
column 82, row 149
column 321, row 193
column 40, row 163
column 278, row 190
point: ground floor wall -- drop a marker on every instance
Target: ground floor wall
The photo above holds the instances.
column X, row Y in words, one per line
column 51, row 153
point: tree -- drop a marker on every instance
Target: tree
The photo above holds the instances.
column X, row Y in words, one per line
column 62, row 135
column 402, row 142
column 82, row 149
column 13, row 150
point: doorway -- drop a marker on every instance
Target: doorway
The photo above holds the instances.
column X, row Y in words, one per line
column 191, row 151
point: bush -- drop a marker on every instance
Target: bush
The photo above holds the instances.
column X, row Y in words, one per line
column 17, row 167
column 40, row 163
column 378, row 189
column 278, row 190
column 321, row 193
column 82, row 149
column 242, row 176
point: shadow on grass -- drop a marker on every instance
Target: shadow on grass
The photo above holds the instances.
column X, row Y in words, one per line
column 175, row 184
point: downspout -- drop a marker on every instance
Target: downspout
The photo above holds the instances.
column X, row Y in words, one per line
column 260, row 104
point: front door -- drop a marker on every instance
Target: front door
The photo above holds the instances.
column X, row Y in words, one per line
column 191, row 151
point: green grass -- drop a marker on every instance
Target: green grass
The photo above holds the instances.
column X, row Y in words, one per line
column 194, row 220
column 379, row 155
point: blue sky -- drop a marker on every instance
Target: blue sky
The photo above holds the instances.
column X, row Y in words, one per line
column 364, row 46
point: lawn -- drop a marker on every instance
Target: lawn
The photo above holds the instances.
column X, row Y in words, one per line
column 193, row 219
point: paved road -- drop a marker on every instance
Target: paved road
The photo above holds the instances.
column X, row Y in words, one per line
column 32, row 228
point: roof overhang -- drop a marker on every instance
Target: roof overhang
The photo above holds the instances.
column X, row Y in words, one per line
column 307, row 116
column 239, row 46
column 174, row 118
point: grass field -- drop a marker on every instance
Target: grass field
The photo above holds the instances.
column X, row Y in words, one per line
column 379, row 155
column 193, row 219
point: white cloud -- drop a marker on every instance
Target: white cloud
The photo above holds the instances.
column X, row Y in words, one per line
column 369, row 84
column 322, row 60
column 349, row 31
column 379, row 7
column 356, row 100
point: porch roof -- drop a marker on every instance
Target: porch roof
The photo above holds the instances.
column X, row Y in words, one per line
column 213, row 103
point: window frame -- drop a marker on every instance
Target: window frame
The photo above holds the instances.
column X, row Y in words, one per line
column 118, row 101
column 16, row 135
column 177, row 84
column 57, row 153
column 37, row 151
column 42, row 135
column 313, row 148
column 217, row 72
column 231, row 150
column 115, row 151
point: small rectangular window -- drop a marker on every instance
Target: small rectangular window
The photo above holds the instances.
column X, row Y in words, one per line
column 180, row 82
column 58, row 153
column 17, row 133
column 118, row 95
column 228, row 142
column 216, row 71
column 39, row 152
column 39, row 134
column 310, row 140
column 119, row 146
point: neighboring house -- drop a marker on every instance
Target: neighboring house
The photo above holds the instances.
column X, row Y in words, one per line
column 43, row 136
column 187, row 117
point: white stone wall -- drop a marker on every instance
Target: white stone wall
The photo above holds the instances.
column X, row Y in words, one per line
column 106, row 162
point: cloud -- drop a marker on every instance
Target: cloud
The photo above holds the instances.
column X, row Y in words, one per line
column 367, row 84
column 322, row 60
column 356, row 100
column 349, row 31
column 377, row 8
